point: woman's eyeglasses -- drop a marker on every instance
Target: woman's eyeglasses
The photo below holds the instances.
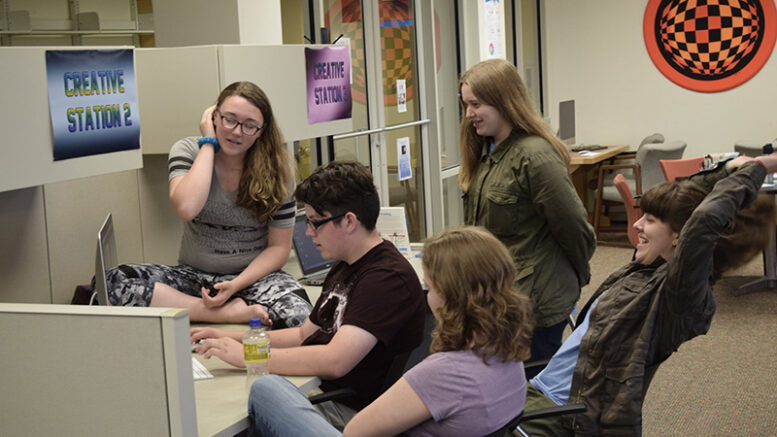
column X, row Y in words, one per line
column 230, row 123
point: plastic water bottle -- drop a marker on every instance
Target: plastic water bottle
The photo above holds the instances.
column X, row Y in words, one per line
column 256, row 352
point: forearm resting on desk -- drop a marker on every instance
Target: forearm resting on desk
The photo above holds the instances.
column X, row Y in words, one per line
column 333, row 360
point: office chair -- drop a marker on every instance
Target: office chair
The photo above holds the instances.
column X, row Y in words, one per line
column 525, row 416
column 632, row 215
column 647, row 172
column 629, row 156
column 678, row 168
column 754, row 149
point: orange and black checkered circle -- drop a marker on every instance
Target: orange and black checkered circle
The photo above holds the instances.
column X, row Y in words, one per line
column 709, row 45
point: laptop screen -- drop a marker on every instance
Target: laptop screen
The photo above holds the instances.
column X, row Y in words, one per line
column 310, row 259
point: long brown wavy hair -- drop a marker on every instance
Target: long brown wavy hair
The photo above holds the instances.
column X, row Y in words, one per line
column 473, row 272
column 497, row 83
column 674, row 202
column 268, row 175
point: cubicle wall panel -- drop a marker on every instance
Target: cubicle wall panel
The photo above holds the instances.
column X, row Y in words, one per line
column 24, row 264
column 75, row 210
column 162, row 228
column 175, row 85
column 27, row 150
column 174, row 88
column 280, row 71
column 94, row 371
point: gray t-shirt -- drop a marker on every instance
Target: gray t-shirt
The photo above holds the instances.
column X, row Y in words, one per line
column 224, row 237
column 466, row 396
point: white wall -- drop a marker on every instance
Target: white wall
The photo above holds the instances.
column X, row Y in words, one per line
column 596, row 55
column 202, row 22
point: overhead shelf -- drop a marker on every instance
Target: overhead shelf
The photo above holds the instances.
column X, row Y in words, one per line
column 19, row 23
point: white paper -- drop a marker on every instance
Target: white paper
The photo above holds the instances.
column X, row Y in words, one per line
column 392, row 226
column 403, row 158
column 401, row 96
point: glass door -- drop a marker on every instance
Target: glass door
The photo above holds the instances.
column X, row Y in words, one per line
column 388, row 127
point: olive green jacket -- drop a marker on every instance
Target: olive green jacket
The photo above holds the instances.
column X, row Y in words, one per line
column 523, row 194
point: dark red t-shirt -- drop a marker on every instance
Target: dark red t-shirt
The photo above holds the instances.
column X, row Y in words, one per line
column 381, row 294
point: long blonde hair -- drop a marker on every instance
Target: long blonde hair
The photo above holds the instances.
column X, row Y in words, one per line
column 265, row 182
column 473, row 272
column 496, row 82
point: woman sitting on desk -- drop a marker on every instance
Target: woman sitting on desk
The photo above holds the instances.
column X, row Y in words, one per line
column 233, row 188
column 474, row 381
column 516, row 183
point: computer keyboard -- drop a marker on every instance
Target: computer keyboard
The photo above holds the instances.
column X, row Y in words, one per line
column 199, row 370
column 588, row 148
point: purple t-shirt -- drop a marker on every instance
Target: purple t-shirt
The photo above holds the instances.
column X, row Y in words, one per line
column 466, row 396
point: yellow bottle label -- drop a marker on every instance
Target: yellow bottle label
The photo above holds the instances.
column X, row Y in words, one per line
column 256, row 352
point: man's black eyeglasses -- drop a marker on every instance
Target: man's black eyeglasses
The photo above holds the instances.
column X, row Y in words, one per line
column 315, row 224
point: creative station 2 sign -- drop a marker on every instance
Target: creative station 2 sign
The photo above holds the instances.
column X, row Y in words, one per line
column 92, row 102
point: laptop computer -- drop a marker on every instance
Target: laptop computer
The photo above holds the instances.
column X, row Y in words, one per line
column 314, row 267
column 105, row 258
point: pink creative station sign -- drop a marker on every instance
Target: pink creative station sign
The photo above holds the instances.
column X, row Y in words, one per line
column 329, row 83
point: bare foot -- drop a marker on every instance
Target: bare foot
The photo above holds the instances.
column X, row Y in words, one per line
column 234, row 311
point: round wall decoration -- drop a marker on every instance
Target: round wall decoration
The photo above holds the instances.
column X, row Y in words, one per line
column 709, row 45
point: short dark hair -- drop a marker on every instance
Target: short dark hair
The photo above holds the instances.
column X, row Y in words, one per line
column 340, row 187
column 674, row 202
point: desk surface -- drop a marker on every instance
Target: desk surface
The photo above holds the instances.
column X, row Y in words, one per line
column 222, row 402
column 595, row 156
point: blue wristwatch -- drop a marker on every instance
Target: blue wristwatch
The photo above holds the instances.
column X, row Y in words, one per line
column 209, row 140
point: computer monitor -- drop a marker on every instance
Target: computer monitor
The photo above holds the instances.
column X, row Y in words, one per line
column 566, row 121
column 105, row 258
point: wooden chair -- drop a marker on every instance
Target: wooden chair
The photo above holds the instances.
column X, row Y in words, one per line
column 678, row 168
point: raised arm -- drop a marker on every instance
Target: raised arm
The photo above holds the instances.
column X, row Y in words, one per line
column 189, row 192
column 689, row 272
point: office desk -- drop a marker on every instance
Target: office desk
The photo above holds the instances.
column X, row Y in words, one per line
column 581, row 165
column 222, row 402
column 769, row 280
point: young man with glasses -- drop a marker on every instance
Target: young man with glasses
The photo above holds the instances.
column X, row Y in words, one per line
column 371, row 306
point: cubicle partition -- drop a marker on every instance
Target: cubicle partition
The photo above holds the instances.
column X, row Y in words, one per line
column 176, row 84
column 27, row 144
column 77, row 370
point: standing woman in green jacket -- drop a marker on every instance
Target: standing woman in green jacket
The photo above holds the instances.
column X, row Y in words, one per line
column 516, row 183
